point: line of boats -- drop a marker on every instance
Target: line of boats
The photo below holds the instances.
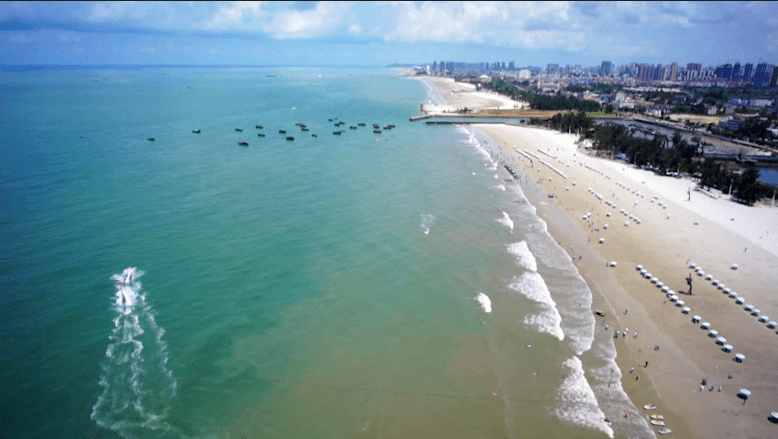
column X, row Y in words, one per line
column 304, row 128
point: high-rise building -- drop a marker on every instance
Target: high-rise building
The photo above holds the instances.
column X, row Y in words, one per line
column 673, row 76
column 605, row 68
column 747, row 71
column 774, row 77
column 762, row 75
column 660, row 72
column 511, row 65
column 736, row 73
column 552, row 69
column 727, row 71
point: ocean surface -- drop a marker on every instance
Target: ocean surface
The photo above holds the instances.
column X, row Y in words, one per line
column 393, row 284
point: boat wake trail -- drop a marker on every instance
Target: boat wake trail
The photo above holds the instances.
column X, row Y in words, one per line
column 137, row 385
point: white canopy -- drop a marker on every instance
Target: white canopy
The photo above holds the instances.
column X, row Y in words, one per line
column 713, row 333
column 727, row 348
column 771, row 324
column 685, row 310
column 705, row 325
column 740, row 300
column 721, row 340
column 739, row 358
column 696, row 319
column 639, row 267
column 745, row 392
column 679, row 303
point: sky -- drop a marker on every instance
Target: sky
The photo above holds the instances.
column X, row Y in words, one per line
column 384, row 33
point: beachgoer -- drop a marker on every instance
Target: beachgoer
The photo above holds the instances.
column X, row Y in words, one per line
column 646, row 365
column 631, row 369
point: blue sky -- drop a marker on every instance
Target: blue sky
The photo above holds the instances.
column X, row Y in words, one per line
column 382, row 33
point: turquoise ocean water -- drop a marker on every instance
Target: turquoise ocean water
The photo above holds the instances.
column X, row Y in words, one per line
column 324, row 287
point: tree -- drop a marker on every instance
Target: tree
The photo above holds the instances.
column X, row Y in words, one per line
column 609, row 108
column 747, row 188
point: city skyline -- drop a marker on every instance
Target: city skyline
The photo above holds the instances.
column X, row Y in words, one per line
column 381, row 33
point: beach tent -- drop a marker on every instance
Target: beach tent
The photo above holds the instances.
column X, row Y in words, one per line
column 721, row 341
column 727, row 348
column 740, row 358
column 713, row 333
column 685, row 310
column 696, row 319
column 705, row 325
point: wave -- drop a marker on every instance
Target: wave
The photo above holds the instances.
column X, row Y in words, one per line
column 426, row 220
column 137, row 385
column 505, row 220
column 485, row 302
column 524, row 257
column 532, row 286
column 575, row 401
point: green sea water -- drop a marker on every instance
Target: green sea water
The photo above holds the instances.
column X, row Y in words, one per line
column 309, row 288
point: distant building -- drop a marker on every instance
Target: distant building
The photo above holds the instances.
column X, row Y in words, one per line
column 552, row 69
column 747, row 70
column 511, row 65
column 673, row 76
column 605, row 68
column 762, row 75
column 524, row 74
column 736, row 73
column 774, row 77
column 732, row 124
column 693, row 67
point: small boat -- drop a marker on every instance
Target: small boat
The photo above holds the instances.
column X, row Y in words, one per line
column 150, row 139
column 377, row 131
column 304, row 129
column 376, row 126
column 600, row 313
column 329, row 120
column 657, row 417
column 658, row 422
column 281, row 131
column 243, row 143
column 196, row 131
column 649, row 407
column 238, row 129
column 361, row 124
column 337, row 132
column 289, row 138
column 259, row 127
column 352, row 127
column 664, row 431
column 314, row 135
column 261, row 135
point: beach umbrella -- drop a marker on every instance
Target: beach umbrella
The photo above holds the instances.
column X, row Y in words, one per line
column 756, row 312
column 713, row 333
column 740, row 358
column 696, row 319
column 714, row 281
column 626, row 223
column 648, row 275
column 740, row 300
column 771, row 324
column 607, row 214
column 605, row 226
column 700, row 272
column 763, row 319
column 639, row 267
column 685, row 310
column 734, row 266
column 748, row 307
column 664, row 288
column 744, row 393
column 612, row 263
column 660, row 284
column 679, row 303
column 727, row 290
column 692, row 265
column 709, row 277
column 671, row 292
column 705, row 325
column 773, row 417
column 727, row 348
column 602, row 240
column 732, row 294
column 722, row 286
column 654, row 280
column 721, row 341
column 673, row 297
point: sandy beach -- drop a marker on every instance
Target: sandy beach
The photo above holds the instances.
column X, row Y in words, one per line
column 678, row 226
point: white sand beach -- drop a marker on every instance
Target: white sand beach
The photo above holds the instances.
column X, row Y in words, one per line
column 672, row 233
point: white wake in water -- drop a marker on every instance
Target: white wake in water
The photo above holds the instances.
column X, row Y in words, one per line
column 505, row 220
column 137, row 385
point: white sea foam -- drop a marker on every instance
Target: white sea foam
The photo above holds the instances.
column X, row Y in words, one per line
column 500, row 187
column 524, row 257
column 505, row 220
column 485, row 302
column 531, row 285
column 575, row 401
column 427, row 220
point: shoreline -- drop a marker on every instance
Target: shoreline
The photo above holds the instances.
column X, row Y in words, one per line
column 664, row 245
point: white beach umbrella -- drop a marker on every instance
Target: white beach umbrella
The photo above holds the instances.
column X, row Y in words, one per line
column 605, row 226
column 721, row 341
column 763, row 319
column 705, row 325
column 612, row 263
column 648, row 275
column 700, row 272
column 722, row 286
column 685, row 310
column 740, row 300
column 734, row 266
column 756, row 312
column 692, row 265
column 672, row 297
column 607, row 214
column 713, row 333
column 714, row 281
column 727, row 348
column 665, row 289
column 744, row 393
column 679, row 303
column 771, row 324
column 740, row 358
column 709, row 277
column 748, row 307
column 732, row 294
column 696, row 319
column 660, row 284
column 727, row 290
column 602, row 240
column 639, row 267
column 773, row 417
column 671, row 292
column 654, row 280
column 626, row 223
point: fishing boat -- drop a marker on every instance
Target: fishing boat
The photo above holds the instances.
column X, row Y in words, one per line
column 196, row 131
column 361, row 124
column 337, row 133
column 649, row 407
column 281, row 131
column 600, row 313
column 261, row 135
column 150, row 139
column 658, row 417
column 664, row 431
column 658, row 422
column 243, row 143
column 376, row 131
column 314, row 135
column 289, row 138
column 238, row 129
column 259, row 127
column 352, row 127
